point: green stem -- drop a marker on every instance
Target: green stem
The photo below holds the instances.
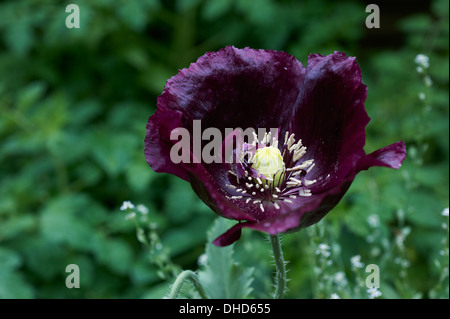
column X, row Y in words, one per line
column 280, row 277
column 186, row 275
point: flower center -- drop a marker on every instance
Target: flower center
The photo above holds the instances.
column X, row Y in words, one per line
column 268, row 161
column 271, row 175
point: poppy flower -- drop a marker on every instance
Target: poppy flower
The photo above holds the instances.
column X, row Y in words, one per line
column 291, row 177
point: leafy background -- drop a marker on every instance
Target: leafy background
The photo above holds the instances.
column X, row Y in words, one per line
column 73, row 108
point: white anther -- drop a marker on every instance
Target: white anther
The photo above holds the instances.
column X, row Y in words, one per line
column 308, row 182
column 304, row 192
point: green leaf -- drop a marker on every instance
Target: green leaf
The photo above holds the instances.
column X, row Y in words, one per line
column 114, row 152
column 30, row 95
column 425, row 210
column 9, row 259
column 181, row 239
column 70, row 220
column 221, row 277
column 216, row 8
column 44, row 258
column 138, row 174
column 13, row 286
column 116, row 254
column 184, row 5
column 180, row 210
column 15, row 226
column 19, row 36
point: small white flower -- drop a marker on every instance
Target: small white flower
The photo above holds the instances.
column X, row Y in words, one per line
column 127, row 205
column 428, row 81
column 422, row 60
column 340, row 279
column 335, row 296
column 142, row 209
column 401, row 236
column 419, row 69
column 400, row 239
column 356, row 261
column 373, row 292
column 422, row 96
column 445, row 212
column 373, row 220
column 323, row 250
column 405, row 263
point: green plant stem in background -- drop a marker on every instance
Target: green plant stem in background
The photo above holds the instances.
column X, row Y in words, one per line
column 184, row 275
column 280, row 276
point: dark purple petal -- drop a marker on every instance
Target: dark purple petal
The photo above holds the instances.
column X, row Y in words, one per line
column 303, row 212
column 230, row 236
column 209, row 189
column 390, row 156
column 331, row 117
column 237, row 88
column 158, row 143
column 230, row 88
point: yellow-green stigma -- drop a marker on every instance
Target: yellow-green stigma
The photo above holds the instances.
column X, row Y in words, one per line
column 269, row 162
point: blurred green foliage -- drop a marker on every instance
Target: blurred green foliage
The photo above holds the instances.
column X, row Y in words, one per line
column 73, row 109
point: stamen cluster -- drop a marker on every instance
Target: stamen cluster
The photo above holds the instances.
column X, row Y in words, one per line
column 285, row 171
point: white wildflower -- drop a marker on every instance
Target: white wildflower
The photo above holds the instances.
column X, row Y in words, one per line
column 445, row 212
column 335, row 296
column 142, row 209
column 422, row 60
column 373, row 220
column 401, row 236
column 356, row 261
column 422, row 96
column 405, row 263
column 340, row 279
column 127, row 205
column 373, row 292
column 323, row 250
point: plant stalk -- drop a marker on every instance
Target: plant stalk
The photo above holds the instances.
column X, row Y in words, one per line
column 280, row 276
column 186, row 275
